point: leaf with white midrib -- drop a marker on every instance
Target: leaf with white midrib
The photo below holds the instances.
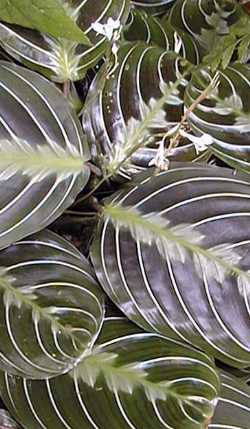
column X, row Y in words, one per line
column 181, row 234
column 43, row 153
column 223, row 114
column 127, row 372
column 129, row 134
column 51, row 308
column 124, row 378
column 153, row 229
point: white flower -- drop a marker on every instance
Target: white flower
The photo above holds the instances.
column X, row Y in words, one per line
column 160, row 159
column 109, row 30
column 200, row 143
column 177, row 43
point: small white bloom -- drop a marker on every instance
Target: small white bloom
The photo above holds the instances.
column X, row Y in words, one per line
column 200, row 143
column 109, row 29
column 177, row 43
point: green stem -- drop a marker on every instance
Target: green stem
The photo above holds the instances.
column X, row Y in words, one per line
column 198, row 100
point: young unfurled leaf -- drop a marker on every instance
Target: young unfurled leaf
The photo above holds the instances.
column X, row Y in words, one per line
column 228, row 105
column 178, row 243
column 243, row 284
column 40, row 161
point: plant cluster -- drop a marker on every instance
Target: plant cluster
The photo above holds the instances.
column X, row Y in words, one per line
column 125, row 214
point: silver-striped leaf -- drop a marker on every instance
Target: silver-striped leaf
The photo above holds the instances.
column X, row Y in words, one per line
column 43, row 153
column 154, row 7
column 131, row 380
column 224, row 114
column 166, row 289
column 51, row 308
column 243, row 374
column 233, row 409
column 115, row 106
column 151, row 30
column 205, row 20
column 62, row 59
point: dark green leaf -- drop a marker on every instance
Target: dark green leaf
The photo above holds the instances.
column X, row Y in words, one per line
column 159, row 284
column 149, row 29
column 42, row 149
column 205, row 20
column 114, row 110
column 154, row 7
column 131, row 379
column 51, row 308
column 233, row 409
column 224, row 113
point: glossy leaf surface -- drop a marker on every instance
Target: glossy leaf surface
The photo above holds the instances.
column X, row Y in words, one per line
column 117, row 103
column 41, row 143
column 155, row 285
column 50, row 305
column 59, row 58
column 233, row 409
column 205, row 20
column 129, row 375
column 154, row 7
column 144, row 27
column 224, row 114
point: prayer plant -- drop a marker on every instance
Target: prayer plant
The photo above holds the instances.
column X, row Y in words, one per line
column 124, row 214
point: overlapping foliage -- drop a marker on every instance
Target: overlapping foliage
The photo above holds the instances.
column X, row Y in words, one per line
column 124, row 128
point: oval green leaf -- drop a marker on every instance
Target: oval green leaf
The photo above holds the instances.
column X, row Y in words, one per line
column 51, row 308
column 168, row 261
column 43, row 153
column 131, row 379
